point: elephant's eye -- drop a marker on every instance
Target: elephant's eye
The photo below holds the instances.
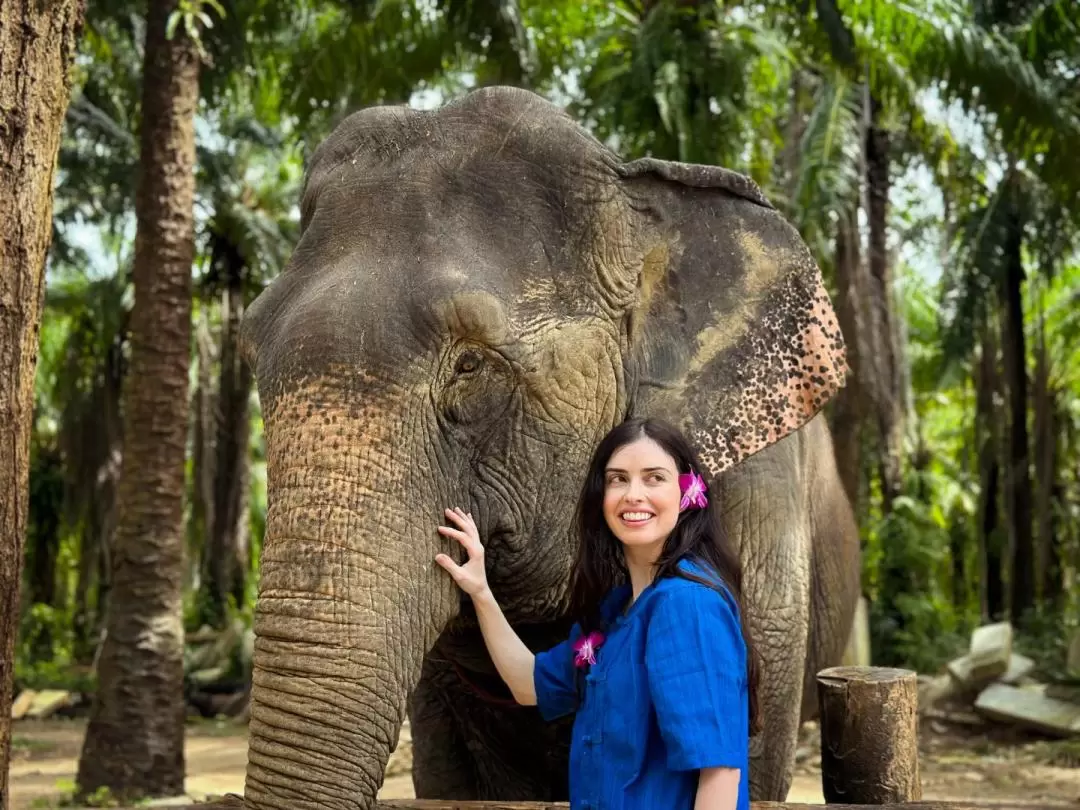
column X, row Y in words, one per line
column 469, row 363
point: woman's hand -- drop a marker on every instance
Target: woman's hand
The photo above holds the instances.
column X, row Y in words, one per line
column 471, row 576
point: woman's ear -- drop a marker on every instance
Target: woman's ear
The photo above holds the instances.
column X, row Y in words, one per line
column 733, row 335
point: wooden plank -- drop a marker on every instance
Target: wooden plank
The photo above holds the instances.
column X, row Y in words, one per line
column 233, row 802
column 419, row 804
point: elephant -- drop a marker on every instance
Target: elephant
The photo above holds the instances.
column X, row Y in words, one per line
column 478, row 293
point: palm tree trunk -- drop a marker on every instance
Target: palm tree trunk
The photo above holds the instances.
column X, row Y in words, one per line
column 37, row 45
column 43, row 550
column 1017, row 477
column 95, row 438
column 135, row 738
column 987, row 386
column 850, row 409
column 202, row 459
column 229, row 531
column 1044, row 467
column 1063, row 531
column 889, row 395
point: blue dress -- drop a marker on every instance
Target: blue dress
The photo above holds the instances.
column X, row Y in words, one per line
column 666, row 697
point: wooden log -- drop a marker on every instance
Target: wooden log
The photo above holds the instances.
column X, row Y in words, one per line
column 869, row 735
column 233, row 803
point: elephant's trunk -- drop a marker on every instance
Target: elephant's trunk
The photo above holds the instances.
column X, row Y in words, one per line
column 349, row 602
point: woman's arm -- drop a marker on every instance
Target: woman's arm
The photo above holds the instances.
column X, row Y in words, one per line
column 512, row 658
column 718, row 789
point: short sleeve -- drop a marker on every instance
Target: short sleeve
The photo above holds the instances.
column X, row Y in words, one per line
column 553, row 679
column 696, row 662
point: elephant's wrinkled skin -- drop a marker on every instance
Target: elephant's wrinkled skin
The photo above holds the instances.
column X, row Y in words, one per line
column 479, row 294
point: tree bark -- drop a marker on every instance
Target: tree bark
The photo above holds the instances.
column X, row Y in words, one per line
column 869, row 735
column 850, row 409
column 229, row 530
column 1044, row 469
column 92, row 443
column 889, row 395
column 38, row 41
column 135, row 737
column 202, row 456
column 1017, row 473
column 987, row 387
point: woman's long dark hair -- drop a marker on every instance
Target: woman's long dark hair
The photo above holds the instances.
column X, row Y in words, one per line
column 699, row 535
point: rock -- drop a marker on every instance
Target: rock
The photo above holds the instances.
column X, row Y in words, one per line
column 970, row 677
column 47, row 702
column 1029, row 708
column 933, row 690
column 1020, row 666
column 987, row 659
column 1063, row 691
column 991, row 648
column 21, row 705
column 956, row 718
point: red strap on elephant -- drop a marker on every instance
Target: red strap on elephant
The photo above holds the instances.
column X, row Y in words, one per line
column 482, row 693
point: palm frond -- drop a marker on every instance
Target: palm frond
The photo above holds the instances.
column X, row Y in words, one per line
column 829, row 169
column 975, row 269
column 937, row 45
column 688, row 83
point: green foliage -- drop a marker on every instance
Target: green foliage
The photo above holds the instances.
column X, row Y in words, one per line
column 195, row 17
column 692, row 83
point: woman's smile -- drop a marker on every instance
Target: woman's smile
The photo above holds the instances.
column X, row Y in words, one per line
column 636, row 518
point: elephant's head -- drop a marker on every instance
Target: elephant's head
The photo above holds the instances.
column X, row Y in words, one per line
column 479, row 293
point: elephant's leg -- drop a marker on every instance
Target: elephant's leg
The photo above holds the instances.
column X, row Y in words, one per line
column 835, row 567
column 442, row 767
column 764, row 511
column 779, row 620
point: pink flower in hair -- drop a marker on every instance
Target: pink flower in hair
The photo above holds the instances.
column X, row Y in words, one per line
column 586, row 647
column 693, row 492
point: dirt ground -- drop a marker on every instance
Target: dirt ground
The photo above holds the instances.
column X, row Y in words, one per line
column 956, row 764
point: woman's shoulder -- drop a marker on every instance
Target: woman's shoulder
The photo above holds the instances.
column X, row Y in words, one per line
column 695, row 584
column 695, row 606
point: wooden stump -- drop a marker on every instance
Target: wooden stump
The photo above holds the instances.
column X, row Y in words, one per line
column 869, row 735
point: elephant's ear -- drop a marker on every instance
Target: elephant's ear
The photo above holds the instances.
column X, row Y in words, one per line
column 732, row 333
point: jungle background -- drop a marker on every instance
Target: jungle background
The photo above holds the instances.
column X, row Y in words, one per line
column 927, row 151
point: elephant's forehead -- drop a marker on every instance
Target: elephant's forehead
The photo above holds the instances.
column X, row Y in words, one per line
column 386, row 298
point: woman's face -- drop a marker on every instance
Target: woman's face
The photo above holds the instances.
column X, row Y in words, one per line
column 641, row 497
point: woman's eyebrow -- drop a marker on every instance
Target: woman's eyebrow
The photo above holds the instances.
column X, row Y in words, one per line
column 647, row 469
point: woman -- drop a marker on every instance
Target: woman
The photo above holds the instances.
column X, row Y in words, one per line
column 659, row 667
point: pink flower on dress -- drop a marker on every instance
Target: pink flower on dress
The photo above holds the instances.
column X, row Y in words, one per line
column 693, row 492
column 586, row 647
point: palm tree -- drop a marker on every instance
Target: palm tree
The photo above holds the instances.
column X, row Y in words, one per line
column 134, row 740
column 248, row 184
column 34, row 92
